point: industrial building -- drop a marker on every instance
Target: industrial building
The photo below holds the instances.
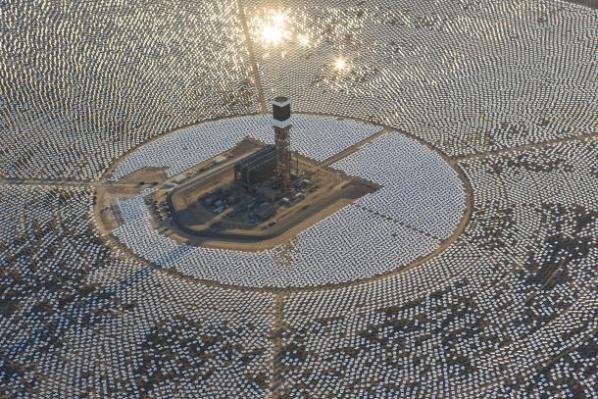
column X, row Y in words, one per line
column 257, row 167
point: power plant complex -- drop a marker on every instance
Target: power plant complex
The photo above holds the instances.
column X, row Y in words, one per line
column 254, row 195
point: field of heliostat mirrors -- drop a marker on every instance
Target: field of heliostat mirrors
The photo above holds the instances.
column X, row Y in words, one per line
column 471, row 273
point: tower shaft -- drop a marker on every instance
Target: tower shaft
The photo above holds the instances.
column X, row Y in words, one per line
column 283, row 155
column 281, row 113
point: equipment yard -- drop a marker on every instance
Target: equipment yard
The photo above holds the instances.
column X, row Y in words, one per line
column 210, row 209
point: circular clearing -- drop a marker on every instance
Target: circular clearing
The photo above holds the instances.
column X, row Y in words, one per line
column 421, row 204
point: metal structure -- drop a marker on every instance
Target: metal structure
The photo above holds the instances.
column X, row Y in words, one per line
column 257, row 166
column 273, row 160
column 281, row 112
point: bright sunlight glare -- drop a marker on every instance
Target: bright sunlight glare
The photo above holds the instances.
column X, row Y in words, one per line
column 340, row 64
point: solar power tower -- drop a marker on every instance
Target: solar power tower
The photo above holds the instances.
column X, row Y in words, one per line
column 281, row 109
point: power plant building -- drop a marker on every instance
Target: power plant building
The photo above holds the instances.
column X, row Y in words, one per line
column 256, row 167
